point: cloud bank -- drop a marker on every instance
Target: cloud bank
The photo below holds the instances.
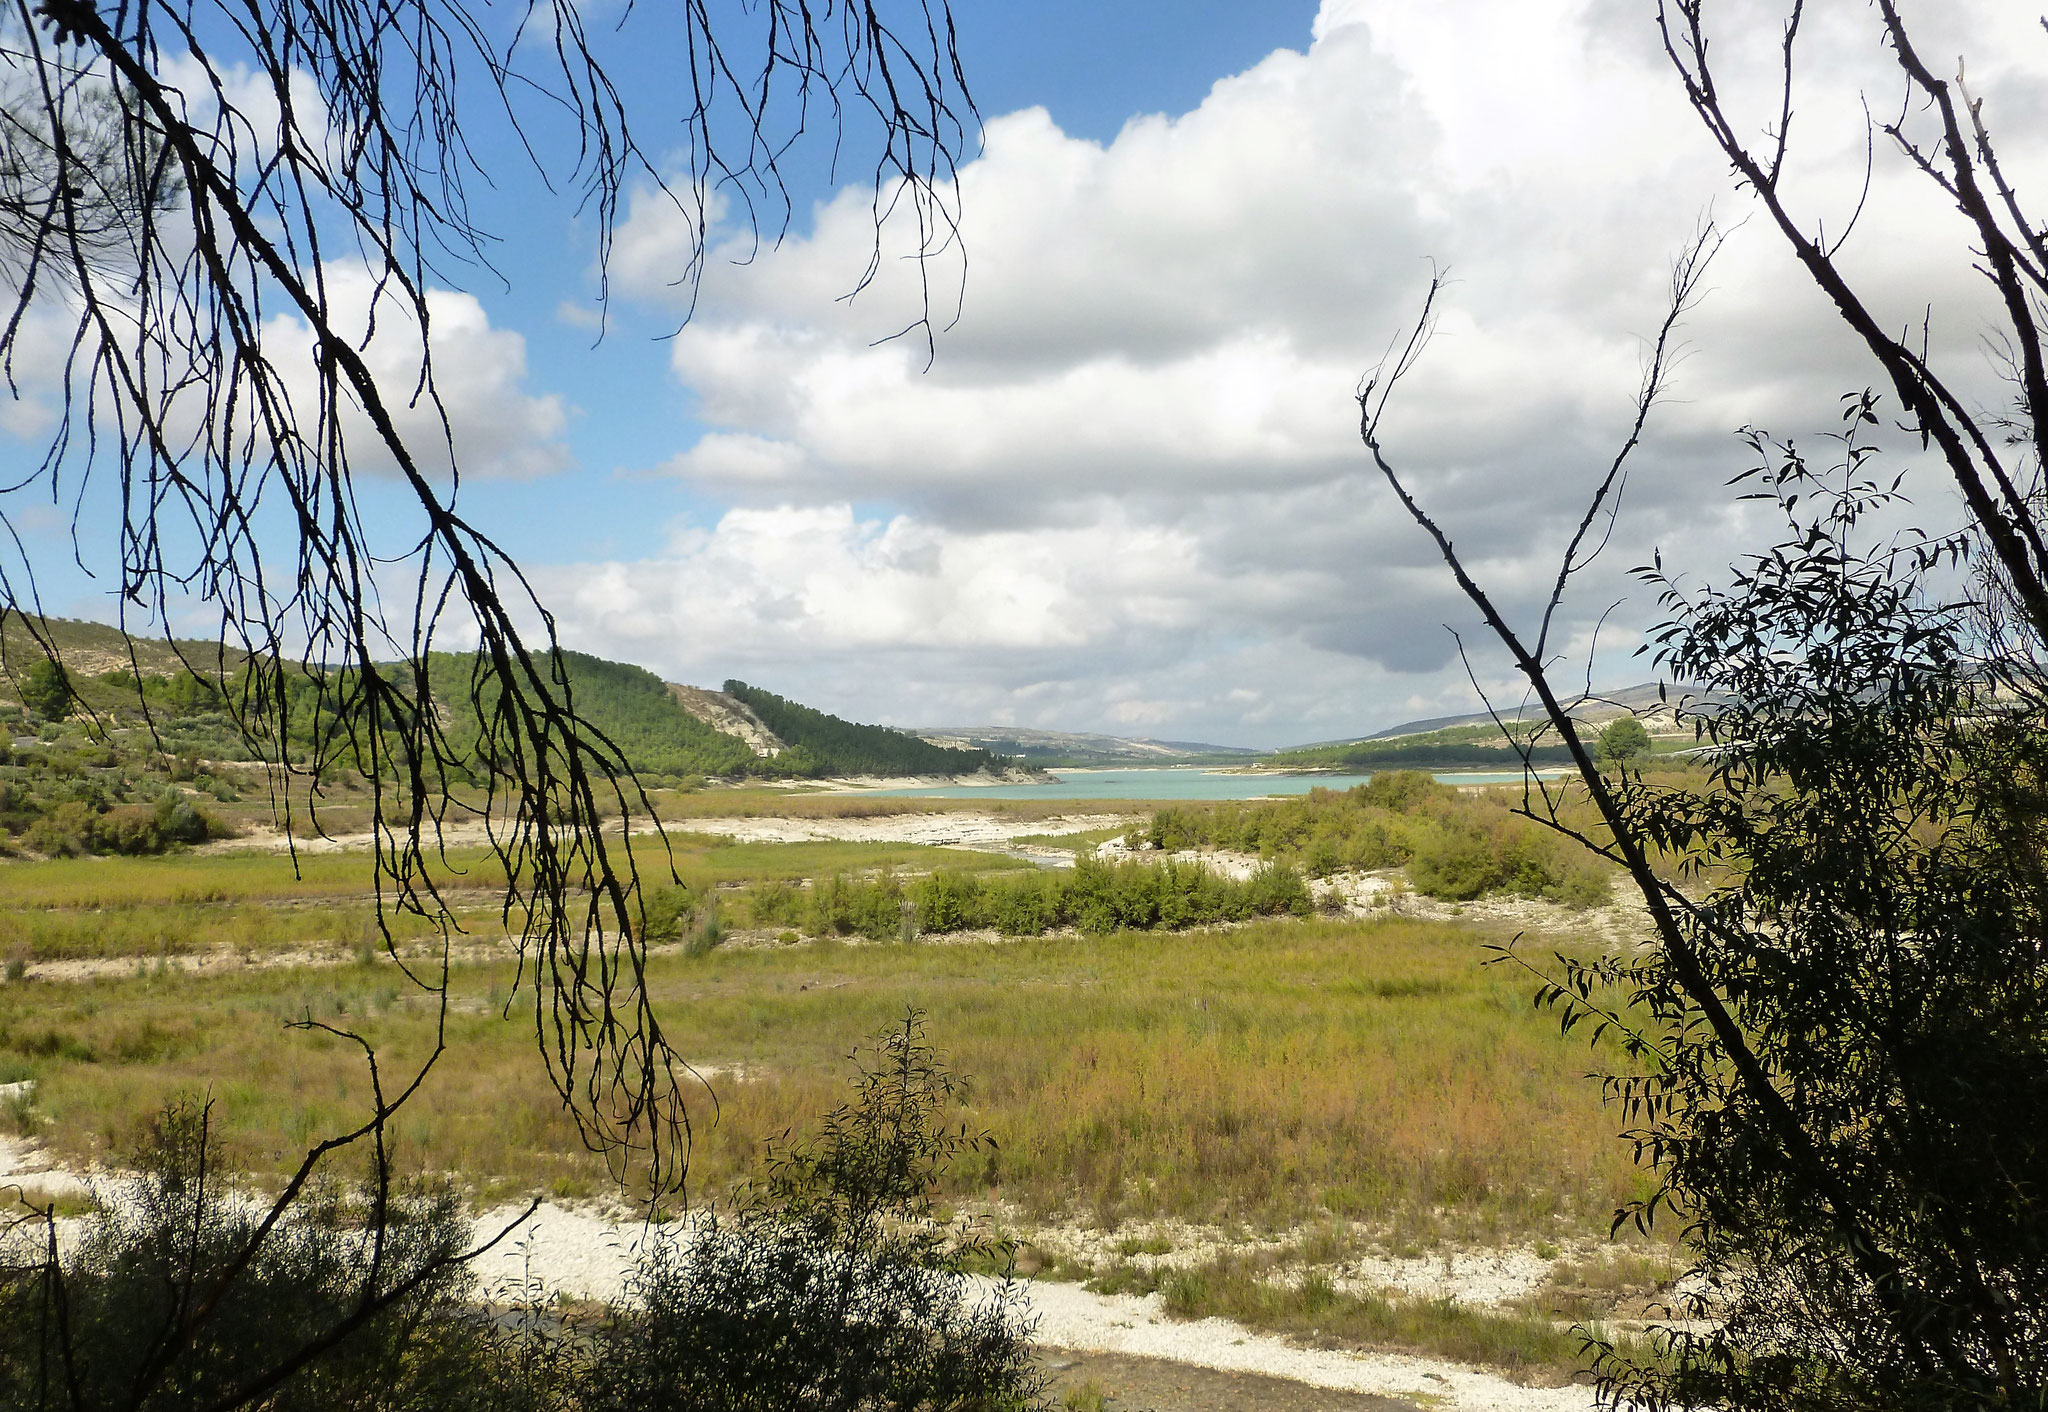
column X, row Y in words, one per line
column 1128, row 490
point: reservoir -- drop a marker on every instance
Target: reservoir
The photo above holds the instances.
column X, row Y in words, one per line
column 1182, row 783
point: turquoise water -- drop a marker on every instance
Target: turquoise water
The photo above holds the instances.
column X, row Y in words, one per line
column 1173, row 784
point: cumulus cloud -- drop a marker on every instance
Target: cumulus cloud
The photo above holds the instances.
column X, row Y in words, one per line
column 493, row 424
column 1147, row 396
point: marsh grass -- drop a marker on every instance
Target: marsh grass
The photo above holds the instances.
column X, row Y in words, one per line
column 720, row 862
column 1254, row 1075
column 1084, row 842
column 241, row 875
column 1088, row 1396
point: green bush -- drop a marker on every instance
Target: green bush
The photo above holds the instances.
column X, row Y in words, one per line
column 46, row 690
column 1455, row 847
column 666, row 912
column 835, row 1283
column 101, row 1330
column 775, row 903
column 86, row 823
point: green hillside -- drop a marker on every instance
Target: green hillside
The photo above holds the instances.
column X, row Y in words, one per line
column 129, row 749
column 1454, row 747
column 826, row 745
column 634, row 709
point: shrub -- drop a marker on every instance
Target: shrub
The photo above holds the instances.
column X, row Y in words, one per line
column 1018, row 904
column 868, row 907
column 665, row 911
column 775, row 903
column 945, row 902
column 1456, row 847
column 833, row 1284
column 176, row 1231
column 46, row 690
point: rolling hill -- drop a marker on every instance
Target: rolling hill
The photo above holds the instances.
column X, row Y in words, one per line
column 1474, row 740
column 669, row 733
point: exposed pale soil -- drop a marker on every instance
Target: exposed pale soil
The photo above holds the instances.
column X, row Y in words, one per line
column 729, row 714
column 1124, row 1345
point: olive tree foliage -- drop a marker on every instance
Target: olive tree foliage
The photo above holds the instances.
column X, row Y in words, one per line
column 1838, row 1039
column 190, row 190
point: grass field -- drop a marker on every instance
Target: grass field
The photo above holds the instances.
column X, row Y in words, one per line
column 253, row 901
column 1304, row 1090
column 799, row 803
column 1270, row 1074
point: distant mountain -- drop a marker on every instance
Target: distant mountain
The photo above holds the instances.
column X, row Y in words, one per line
column 1040, row 747
column 1475, row 740
column 1640, row 701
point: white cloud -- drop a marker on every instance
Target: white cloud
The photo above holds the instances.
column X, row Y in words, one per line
column 1153, row 368
column 496, row 427
column 770, row 582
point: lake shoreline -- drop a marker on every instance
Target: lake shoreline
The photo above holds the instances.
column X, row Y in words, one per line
column 1169, row 784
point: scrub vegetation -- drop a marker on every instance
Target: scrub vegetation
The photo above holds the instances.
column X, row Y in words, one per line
column 1376, row 1071
column 1092, row 896
column 1455, row 845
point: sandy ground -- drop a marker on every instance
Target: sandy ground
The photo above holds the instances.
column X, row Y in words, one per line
column 964, row 829
column 578, row 1253
column 581, row 1253
column 951, row 830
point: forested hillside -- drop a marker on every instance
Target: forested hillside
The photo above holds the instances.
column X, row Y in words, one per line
column 825, row 745
column 133, row 746
column 634, row 708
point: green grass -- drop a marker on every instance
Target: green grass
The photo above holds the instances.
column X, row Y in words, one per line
column 1270, row 1074
column 241, row 875
column 799, row 803
column 699, row 856
column 1083, row 842
column 252, row 902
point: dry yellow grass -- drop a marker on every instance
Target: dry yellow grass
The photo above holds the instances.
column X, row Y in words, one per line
column 1374, row 1070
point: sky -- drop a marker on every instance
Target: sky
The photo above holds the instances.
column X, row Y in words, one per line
column 1126, row 491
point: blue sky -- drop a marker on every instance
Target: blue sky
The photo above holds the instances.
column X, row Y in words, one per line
column 1127, row 494
column 1092, row 66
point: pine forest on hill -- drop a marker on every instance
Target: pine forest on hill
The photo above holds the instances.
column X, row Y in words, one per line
column 826, row 745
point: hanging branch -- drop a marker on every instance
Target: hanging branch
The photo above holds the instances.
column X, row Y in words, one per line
column 1670, row 912
column 176, row 216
